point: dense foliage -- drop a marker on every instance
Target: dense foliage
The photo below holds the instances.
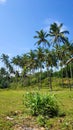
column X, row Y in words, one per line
column 39, row 104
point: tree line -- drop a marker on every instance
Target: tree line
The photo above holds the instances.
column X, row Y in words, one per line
column 53, row 50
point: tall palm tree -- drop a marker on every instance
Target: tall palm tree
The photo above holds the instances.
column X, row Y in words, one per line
column 3, row 72
column 32, row 62
column 5, row 59
column 70, row 49
column 42, row 38
column 32, row 58
column 40, row 60
column 61, row 56
column 41, row 42
column 58, row 34
column 70, row 59
column 47, row 62
column 21, row 62
column 18, row 62
column 51, row 62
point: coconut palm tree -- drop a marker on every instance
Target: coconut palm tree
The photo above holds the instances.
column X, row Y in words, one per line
column 22, row 64
column 18, row 64
column 70, row 59
column 5, row 60
column 57, row 33
column 17, row 61
column 32, row 58
column 60, row 52
column 70, row 49
column 51, row 61
column 25, row 63
column 47, row 63
column 58, row 37
column 63, row 55
column 42, row 38
column 32, row 62
column 40, row 61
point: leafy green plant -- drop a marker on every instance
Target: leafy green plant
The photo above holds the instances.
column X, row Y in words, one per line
column 39, row 104
column 41, row 120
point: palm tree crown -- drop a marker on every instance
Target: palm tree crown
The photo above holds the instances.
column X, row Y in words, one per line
column 58, row 34
column 41, row 36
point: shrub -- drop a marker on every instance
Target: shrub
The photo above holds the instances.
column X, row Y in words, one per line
column 38, row 104
column 41, row 120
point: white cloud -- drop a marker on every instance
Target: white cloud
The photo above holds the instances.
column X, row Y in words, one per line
column 2, row 1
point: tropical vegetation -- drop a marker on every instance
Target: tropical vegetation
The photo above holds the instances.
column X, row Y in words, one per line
column 50, row 57
column 34, row 86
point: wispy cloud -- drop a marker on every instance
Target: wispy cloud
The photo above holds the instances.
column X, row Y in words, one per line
column 49, row 21
column 2, row 1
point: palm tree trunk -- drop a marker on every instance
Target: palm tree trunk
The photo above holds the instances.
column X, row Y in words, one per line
column 38, row 79
column 69, row 80
column 51, row 80
column 70, row 75
column 62, row 76
column 40, row 76
column 48, row 76
column 58, row 81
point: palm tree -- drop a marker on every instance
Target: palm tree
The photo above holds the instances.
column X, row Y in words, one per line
column 22, row 63
column 58, row 34
column 42, row 38
column 47, row 62
column 32, row 58
column 32, row 61
column 3, row 72
column 50, row 60
column 5, row 59
column 25, row 63
column 70, row 59
column 61, row 55
column 19, row 62
column 70, row 49
column 4, row 78
column 40, row 61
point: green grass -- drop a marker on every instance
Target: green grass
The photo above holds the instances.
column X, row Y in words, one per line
column 12, row 100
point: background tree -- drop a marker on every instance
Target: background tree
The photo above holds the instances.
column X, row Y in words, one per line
column 42, row 38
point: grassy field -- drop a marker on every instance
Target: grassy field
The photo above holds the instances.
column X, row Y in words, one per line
column 13, row 111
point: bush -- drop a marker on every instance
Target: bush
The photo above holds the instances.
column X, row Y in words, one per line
column 38, row 104
column 41, row 120
column 4, row 83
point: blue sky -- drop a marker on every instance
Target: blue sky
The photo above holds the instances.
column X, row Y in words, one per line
column 19, row 19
